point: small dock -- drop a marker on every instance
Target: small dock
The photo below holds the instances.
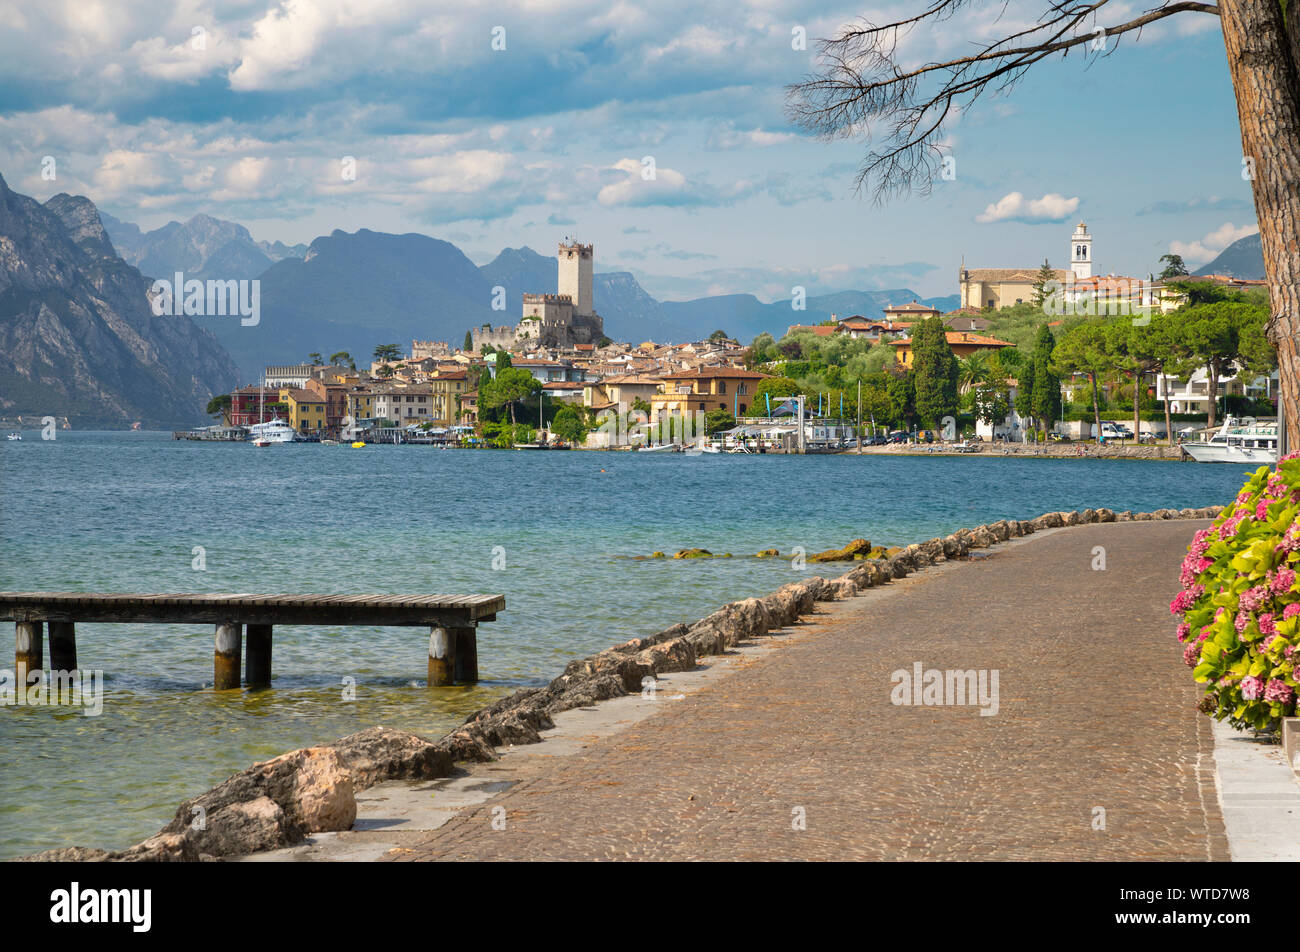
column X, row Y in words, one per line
column 452, row 621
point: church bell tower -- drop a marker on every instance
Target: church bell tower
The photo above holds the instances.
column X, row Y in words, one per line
column 1081, row 252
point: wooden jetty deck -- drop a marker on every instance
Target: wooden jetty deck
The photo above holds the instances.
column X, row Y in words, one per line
column 452, row 619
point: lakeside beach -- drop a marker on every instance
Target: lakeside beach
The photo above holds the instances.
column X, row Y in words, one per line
column 123, row 512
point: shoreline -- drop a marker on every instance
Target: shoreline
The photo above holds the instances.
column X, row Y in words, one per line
column 278, row 803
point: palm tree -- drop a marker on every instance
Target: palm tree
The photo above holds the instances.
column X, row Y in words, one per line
column 972, row 369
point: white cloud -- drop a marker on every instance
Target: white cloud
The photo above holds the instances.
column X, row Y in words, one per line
column 1015, row 207
column 1203, row 249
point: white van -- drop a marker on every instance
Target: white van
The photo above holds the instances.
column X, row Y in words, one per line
column 1114, row 431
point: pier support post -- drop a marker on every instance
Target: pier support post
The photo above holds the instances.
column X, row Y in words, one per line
column 225, row 666
column 442, row 657
column 29, row 648
column 257, row 664
column 466, row 654
column 63, row 646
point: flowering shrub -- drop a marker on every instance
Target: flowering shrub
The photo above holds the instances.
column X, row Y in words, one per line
column 1240, row 603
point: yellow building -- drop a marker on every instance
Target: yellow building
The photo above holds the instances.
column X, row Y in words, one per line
column 962, row 343
column 710, row 388
column 1001, row 287
column 447, row 389
column 306, row 409
column 361, row 404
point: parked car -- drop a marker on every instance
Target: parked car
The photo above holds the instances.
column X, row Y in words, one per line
column 1060, row 438
column 1114, row 431
column 898, row 436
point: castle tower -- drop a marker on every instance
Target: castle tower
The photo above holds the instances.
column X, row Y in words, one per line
column 1081, row 252
column 575, row 276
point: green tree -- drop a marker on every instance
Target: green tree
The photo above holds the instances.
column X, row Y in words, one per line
column 1212, row 334
column 775, row 388
column 1047, row 386
column 508, row 387
column 901, row 388
column 342, row 358
column 935, row 367
column 570, row 424
column 219, row 406
column 716, row 420
column 719, row 335
column 1174, row 267
column 314, row 358
column 469, row 342
column 1046, row 275
column 1083, row 349
column 972, row 369
column 387, row 352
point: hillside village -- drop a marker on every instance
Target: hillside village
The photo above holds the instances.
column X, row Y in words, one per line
column 555, row 379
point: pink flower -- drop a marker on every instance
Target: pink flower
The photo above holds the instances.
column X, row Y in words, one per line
column 1279, row 690
column 1183, row 601
column 1266, row 624
column 1291, row 610
column 1241, row 621
column 1192, row 655
column 1253, row 598
column 1252, row 688
column 1283, row 580
column 1184, row 630
column 1261, row 510
column 1262, row 647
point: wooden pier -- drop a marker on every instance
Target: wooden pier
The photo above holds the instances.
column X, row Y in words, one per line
column 452, row 621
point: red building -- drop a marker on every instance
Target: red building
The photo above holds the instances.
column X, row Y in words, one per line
column 250, row 405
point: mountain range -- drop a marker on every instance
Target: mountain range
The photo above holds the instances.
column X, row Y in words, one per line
column 1244, row 258
column 354, row 291
column 78, row 337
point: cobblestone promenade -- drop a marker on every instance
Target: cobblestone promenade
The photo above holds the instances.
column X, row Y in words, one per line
column 1095, row 713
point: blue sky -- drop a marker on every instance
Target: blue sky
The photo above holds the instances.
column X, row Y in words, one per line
column 245, row 110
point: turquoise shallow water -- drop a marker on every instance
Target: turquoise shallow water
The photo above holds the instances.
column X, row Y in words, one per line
column 123, row 512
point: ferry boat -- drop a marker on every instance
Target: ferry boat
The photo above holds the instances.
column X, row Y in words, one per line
column 1238, row 441
column 272, row 431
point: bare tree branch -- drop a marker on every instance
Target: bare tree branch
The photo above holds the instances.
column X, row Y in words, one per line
column 860, row 86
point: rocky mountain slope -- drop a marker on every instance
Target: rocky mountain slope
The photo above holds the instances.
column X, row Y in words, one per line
column 77, row 335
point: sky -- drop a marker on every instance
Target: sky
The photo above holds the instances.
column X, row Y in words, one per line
column 504, row 124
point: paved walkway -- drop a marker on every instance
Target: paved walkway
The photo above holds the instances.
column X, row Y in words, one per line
column 1095, row 713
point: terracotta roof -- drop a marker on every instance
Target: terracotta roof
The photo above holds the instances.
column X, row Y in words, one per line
column 1017, row 275
column 914, row 307
column 963, row 337
column 735, row 373
column 821, row 330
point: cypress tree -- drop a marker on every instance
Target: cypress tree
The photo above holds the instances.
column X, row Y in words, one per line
column 936, row 372
column 1046, row 399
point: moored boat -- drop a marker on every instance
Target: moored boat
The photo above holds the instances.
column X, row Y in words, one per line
column 1237, row 441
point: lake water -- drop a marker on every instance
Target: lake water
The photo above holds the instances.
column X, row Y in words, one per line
column 124, row 512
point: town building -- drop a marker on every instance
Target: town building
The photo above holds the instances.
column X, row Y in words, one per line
column 963, row 343
column 717, row 388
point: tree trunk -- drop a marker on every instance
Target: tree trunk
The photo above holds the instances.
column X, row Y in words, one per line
column 1137, row 405
column 1264, row 61
column 1096, row 409
column 1213, row 373
column 1169, row 427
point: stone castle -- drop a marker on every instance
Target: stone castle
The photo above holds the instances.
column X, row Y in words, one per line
column 557, row 321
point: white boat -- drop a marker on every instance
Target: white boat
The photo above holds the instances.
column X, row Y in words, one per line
column 272, row 431
column 13, row 437
column 1238, row 441
column 660, row 448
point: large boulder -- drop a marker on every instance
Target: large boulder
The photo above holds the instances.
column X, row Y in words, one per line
column 585, row 692
column 676, row 655
column 270, row 804
column 465, row 746
column 1105, row 515
column 630, row 669
column 383, row 753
